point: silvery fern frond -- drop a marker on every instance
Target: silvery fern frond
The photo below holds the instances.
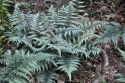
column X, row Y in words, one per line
column 68, row 64
column 47, row 76
column 111, row 33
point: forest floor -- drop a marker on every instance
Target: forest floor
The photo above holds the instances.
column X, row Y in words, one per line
column 93, row 70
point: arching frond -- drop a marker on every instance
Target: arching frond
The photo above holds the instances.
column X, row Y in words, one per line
column 112, row 32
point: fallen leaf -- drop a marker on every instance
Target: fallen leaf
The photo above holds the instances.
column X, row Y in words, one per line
column 107, row 47
column 76, row 80
column 120, row 17
column 112, row 15
column 60, row 81
column 1, row 37
column 91, row 74
column 91, row 3
column 98, row 10
column 104, row 8
column 8, row 43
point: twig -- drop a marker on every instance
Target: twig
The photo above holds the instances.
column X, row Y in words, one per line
column 105, row 63
column 105, row 58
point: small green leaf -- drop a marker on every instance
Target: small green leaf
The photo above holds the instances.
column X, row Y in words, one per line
column 118, row 74
column 121, row 79
column 105, row 81
column 2, row 28
column 1, row 50
column 122, row 52
column 1, row 37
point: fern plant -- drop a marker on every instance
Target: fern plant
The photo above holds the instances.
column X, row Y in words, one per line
column 17, row 68
column 20, row 65
column 3, row 17
column 53, row 40
column 3, row 10
column 57, row 33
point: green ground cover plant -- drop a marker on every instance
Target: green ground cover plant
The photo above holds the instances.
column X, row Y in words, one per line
column 45, row 43
column 3, row 18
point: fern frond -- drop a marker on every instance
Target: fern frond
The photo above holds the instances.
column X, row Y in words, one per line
column 61, row 48
column 111, row 33
column 52, row 15
column 94, row 50
column 122, row 52
column 18, row 66
column 24, row 41
column 68, row 64
column 3, row 8
column 90, row 49
column 64, row 32
column 121, row 77
column 90, row 27
column 47, row 60
column 86, row 37
column 67, row 16
column 47, row 76
column 80, row 50
column 79, row 5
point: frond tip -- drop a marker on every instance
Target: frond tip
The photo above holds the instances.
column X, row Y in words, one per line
column 68, row 64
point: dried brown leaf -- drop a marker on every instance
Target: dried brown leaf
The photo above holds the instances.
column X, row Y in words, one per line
column 104, row 8
column 112, row 15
